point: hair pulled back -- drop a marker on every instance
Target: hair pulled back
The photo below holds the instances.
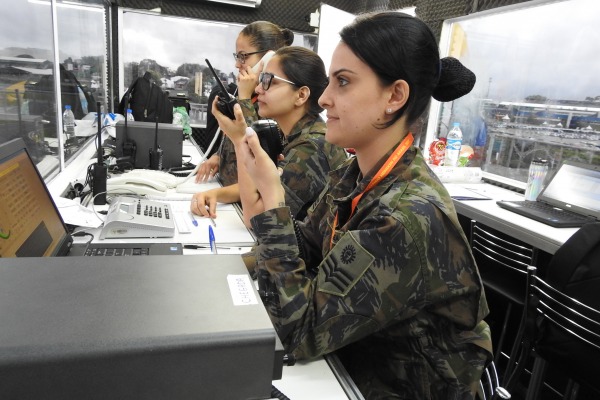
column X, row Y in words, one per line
column 306, row 68
column 398, row 46
column 265, row 35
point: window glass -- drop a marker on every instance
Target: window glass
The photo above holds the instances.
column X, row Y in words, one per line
column 537, row 93
column 27, row 90
column 177, row 59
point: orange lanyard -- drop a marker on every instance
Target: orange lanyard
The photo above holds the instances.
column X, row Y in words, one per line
column 385, row 169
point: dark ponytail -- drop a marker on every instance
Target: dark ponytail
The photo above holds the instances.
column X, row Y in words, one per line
column 306, row 68
column 265, row 35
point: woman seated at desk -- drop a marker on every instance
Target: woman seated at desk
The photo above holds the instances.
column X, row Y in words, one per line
column 288, row 92
column 380, row 270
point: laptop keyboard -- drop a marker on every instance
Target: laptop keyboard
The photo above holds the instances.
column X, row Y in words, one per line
column 557, row 212
column 117, row 251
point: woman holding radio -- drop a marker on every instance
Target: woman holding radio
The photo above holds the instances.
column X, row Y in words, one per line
column 253, row 43
column 380, row 271
column 288, row 92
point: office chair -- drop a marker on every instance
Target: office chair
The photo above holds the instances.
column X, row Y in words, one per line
column 489, row 385
column 502, row 265
column 561, row 317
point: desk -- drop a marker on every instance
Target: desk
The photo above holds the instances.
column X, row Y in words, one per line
column 537, row 234
column 316, row 379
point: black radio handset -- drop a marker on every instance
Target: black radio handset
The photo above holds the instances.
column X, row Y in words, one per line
column 269, row 137
column 226, row 101
column 129, row 147
column 156, row 153
column 100, row 171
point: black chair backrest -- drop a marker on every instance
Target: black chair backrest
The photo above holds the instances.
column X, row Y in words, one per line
column 502, row 262
column 569, row 329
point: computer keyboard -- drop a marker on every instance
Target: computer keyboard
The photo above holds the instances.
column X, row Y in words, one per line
column 117, row 251
column 96, row 249
column 547, row 209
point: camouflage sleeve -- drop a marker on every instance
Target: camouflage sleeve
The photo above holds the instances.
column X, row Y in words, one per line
column 352, row 296
column 304, row 172
column 250, row 114
column 227, row 163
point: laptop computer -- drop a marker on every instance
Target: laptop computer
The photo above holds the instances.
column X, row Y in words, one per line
column 30, row 223
column 570, row 199
column 143, row 134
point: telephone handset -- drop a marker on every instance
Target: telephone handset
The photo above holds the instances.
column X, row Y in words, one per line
column 142, row 182
column 264, row 61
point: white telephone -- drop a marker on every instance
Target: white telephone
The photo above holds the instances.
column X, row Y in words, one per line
column 265, row 59
column 143, row 182
column 138, row 218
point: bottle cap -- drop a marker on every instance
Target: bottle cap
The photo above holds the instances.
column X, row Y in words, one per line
column 456, row 124
column 67, row 107
column 129, row 110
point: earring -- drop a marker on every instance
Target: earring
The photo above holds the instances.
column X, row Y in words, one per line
column 389, row 111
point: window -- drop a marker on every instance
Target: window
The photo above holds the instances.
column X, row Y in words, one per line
column 177, row 59
column 537, row 93
column 27, row 91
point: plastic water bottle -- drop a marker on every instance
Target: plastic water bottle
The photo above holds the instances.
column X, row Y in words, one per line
column 453, row 145
column 69, row 123
column 130, row 115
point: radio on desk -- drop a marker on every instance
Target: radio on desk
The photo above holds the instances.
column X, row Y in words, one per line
column 138, row 218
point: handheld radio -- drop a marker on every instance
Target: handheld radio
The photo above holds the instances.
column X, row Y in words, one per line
column 100, row 171
column 156, row 153
column 226, row 101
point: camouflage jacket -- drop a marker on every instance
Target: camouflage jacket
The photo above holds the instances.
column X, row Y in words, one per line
column 395, row 291
column 227, row 157
column 308, row 158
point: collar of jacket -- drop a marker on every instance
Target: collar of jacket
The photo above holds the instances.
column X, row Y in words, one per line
column 342, row 178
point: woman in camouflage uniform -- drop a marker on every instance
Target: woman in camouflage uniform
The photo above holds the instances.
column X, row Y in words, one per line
column 380, row 271
column 252, row 43
column 291, row 85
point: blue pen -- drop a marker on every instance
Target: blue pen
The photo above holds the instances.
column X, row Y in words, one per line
column 211, row 240
column 193, row 219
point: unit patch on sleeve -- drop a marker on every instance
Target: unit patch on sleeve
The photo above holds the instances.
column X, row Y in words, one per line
column 344, row 266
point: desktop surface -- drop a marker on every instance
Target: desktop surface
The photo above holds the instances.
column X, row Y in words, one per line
column 96, row 328
column 537, row 234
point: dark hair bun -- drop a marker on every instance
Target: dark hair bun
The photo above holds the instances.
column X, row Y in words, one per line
column 288, row 36
column 456, row 80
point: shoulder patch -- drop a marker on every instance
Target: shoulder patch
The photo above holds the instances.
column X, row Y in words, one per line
column 344, row 266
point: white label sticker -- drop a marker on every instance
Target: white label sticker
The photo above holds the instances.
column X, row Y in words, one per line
column 241, row 290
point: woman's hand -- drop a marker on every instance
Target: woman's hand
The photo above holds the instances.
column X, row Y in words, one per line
column 247, row 81
column 205, row 203
column 234, row 129
column 262, row 170
column 208, row 169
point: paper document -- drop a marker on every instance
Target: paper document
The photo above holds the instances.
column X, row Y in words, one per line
column 73, row 213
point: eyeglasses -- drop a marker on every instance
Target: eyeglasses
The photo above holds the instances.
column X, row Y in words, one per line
column 265, row 78
column 242, row 56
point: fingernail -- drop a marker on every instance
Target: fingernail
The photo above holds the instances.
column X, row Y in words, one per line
column 250, row 131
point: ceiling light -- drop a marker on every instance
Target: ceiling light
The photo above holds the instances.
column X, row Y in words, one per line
column 244, row 3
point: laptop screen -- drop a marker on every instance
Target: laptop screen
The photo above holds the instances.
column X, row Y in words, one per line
column 30, row 224
column 575, row 187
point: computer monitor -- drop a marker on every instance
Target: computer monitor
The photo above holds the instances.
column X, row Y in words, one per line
column 30, row 223
column 142, row 135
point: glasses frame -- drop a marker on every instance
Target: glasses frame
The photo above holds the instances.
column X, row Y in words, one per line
column 267, row 85
column 243, row 56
